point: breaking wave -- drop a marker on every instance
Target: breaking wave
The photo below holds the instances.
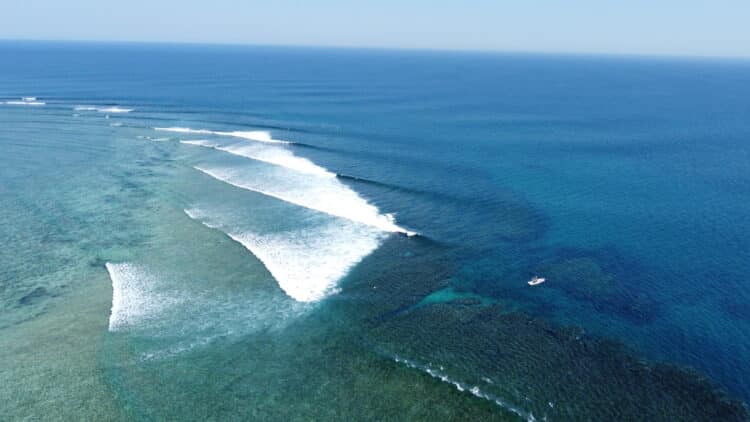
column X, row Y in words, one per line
column 253, row 135
column 134, row 298
column 110, row 109
column 307, row 263
column 326, row 195
column 26, row 101
column 276, row 156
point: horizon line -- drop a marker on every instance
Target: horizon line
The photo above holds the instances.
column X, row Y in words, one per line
column 677, row 56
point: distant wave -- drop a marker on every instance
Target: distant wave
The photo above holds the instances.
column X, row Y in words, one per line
column 153, row 139
column 276, row 156
column 253, row 135
column 475, row 390
column 133, row 296
column 112, row 109
column 306, row 263
column 327, row 195
column 26, row 101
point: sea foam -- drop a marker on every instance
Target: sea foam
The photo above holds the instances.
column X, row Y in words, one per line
column 327, row 195
column 276, row 156
column 134, row 298
column 307, row 263
column 254, row 135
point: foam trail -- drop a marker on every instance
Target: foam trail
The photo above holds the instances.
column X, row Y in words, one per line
column 133, row 296
column 255, row 135
column 327, row 195
column 276, row 156
column 439, row 374
column 307, row 263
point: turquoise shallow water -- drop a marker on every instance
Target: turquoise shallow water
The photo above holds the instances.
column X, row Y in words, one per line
column 201, row 232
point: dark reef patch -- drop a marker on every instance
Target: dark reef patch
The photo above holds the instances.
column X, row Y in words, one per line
column 602, row 278
column 549, row 370
column 533, row 365
column 34, row 296
column 399, row 274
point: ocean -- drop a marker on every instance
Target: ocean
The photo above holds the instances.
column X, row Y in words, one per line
column 197, row 232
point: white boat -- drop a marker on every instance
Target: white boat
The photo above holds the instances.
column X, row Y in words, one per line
column 536, row 280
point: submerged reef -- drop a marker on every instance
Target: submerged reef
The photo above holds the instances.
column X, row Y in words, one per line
column 583, row 278
column 549, row 370
column 528, row 366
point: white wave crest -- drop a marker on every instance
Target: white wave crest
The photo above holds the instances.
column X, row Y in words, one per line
column 183, row 130
column 254, row 135
column 26, row 102
column 112, row 109
column 133, row 296
column 474, row 390
column 276, row 156
column 327, row 195
column 306, row 263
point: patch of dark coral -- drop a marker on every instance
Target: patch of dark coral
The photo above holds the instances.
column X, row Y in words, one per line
column 602, row 278
column 532, row 363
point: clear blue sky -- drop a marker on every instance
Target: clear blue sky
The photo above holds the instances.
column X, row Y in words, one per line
column 682, row 27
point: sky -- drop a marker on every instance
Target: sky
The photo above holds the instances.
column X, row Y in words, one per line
column 661, row 27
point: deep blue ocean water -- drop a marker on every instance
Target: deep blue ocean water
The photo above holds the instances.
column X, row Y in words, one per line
column 226, row 228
